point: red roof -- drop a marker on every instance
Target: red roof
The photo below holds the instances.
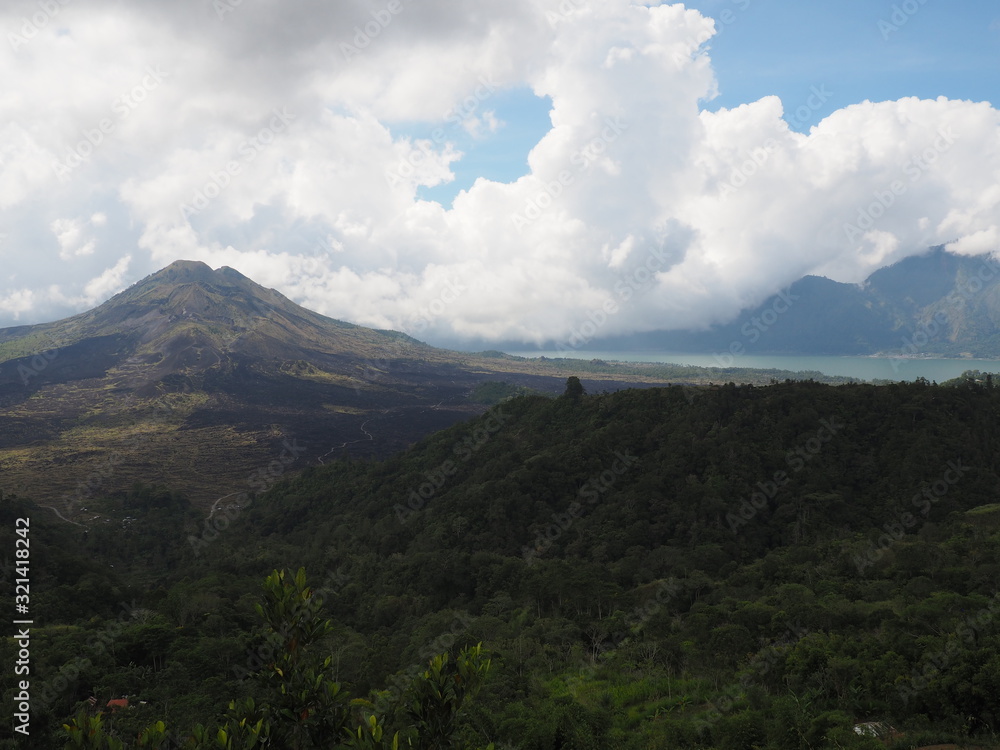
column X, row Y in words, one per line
column 116, row 703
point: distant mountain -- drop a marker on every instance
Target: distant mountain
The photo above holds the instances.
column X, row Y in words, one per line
column 936, row 304
column 213, row 384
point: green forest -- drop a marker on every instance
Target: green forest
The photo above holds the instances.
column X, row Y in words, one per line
column 724, row 567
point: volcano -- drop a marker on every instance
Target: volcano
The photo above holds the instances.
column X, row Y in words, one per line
column 198, row 379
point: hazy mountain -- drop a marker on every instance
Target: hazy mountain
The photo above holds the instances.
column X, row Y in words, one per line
column 938, row 303
column 213, row 384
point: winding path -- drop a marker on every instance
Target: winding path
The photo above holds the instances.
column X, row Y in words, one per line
column 215, row 505
column 54, row 510
column 350, row 442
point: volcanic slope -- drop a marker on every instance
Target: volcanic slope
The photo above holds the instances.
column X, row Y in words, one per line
column 207, row 382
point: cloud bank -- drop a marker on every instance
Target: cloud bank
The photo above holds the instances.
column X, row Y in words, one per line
column 268, row 137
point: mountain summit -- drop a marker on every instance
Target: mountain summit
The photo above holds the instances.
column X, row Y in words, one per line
column 188, row 318
column 199, row 378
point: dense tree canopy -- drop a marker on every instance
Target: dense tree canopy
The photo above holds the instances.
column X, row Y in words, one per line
column 722, row 567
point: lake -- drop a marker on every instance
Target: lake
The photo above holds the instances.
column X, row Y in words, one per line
column 862, row 368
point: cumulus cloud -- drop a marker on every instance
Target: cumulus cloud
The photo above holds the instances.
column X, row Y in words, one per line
column 71, row 238
column 267, row 137
column 480, row 126
column 110, row 282
column 14, row 303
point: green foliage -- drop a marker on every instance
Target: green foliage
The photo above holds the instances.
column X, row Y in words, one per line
column 306, row 708
column 370, row 735
column 574, row 389
column 303, row 708
column 246, row 726
column 88, row 732
column 641, row 619
column 437, row 696
column 494, row 392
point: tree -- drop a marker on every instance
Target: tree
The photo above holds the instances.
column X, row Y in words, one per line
column 436, row 697
column 574, row 389
column 305, row 709
column 308, row 709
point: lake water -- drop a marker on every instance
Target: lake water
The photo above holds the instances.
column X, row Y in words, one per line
column 862, row 368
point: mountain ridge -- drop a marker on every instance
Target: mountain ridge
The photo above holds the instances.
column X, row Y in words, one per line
column 950, row 302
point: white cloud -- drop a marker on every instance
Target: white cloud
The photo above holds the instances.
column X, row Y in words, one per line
column 110, row 282
column 69, row 235
column 172, row 106
column 980, row 243
column 481, row 126
column 17, row 302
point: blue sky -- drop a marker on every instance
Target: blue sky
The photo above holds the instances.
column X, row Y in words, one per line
column 502, row 155
column 781, row 47
column 849, row 50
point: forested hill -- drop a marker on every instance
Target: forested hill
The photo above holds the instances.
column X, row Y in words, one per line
column 729, row 567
